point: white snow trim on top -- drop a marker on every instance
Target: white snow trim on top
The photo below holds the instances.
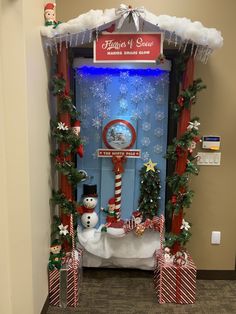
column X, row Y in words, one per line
column 87, row 21
column 187, row 30
column 184, row 28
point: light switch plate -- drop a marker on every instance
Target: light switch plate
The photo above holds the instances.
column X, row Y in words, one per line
column 215, row 237
column 208, row 159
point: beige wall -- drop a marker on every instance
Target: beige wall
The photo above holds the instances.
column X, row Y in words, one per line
column 214, row 204
column 24, row 166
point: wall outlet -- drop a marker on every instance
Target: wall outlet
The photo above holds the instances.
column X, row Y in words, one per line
column 215, row 237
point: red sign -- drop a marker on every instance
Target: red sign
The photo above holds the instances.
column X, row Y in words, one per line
column 130, row 153
column 118, row 47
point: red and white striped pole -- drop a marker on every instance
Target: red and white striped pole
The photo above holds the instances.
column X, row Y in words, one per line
column 118, row 189
column 118, row 169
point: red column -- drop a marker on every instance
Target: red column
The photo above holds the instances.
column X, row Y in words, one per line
column 181, row 162
column 65, row 186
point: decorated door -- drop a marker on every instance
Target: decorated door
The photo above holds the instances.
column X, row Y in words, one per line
column 138, row 96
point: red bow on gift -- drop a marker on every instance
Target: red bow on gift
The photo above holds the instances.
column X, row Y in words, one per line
column 152, row 224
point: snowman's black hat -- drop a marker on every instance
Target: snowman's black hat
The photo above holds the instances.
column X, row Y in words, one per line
column 90, row 190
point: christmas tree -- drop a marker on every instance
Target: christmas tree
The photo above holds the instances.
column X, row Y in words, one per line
column 149, row 190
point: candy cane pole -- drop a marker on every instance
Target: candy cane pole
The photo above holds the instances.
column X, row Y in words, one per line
column 118, row 189
column 75, row 287
column 118, row 169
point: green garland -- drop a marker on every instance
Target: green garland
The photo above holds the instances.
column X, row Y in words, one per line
column 181, row 195
column 65, row 136
column 62, row 134
column 66, row 206
column 187, row 97
column 182, row 238
column 67, row 169
column 65, row 101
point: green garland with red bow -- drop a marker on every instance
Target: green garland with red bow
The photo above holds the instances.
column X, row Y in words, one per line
column 70, row 140
column 181, row 194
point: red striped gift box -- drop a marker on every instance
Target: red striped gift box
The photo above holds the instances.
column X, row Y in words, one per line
column 174, row 284
column 72, row 281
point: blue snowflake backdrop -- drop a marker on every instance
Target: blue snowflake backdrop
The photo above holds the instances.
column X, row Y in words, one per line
column 139, row 96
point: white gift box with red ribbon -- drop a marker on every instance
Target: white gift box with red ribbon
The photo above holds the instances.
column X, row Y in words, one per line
column 174, row 283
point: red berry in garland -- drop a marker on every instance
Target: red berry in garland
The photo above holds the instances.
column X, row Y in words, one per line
column 180, row 101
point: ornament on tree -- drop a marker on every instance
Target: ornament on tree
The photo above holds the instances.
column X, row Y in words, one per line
column 149, row 190
column 50, row 15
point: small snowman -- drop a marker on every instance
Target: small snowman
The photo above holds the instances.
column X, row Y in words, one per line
column 89, row 217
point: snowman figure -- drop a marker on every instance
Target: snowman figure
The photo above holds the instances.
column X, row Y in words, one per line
column 89, row 217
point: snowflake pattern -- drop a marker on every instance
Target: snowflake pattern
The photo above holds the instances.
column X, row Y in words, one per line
column 157, row 149
column 123, row 89
column 84, row 111
column 146, row 126
column 158, row 132
column 105, row 98
column 97, row 89
column 107, row 79
column 136, row 98
column 137, row 81
column 149, row 91
column 145, row 156
column 159, row 115
column 136, row 115
column 124, row 76
column 146, row 110
column 96, row 123
column 165, row 78
column 123, row 104
column 160, row 99
column 103, row 112
column 145, row 141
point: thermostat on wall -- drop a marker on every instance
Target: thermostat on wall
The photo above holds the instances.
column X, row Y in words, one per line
column 211, row 142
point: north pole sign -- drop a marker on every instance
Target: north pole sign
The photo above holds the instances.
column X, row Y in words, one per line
column 127, row 47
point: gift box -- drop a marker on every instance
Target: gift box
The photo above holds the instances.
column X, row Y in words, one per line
column 174, row 284
column 65, row 283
